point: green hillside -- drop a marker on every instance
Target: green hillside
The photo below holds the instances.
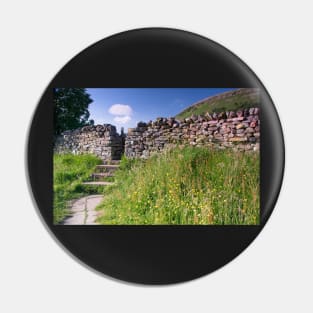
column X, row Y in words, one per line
column 227, row 101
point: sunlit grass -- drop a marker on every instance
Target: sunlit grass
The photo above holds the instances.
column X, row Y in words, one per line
column 185, row 186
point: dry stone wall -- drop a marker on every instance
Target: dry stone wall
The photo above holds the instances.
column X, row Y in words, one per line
column 237, row 130
column 101, row 140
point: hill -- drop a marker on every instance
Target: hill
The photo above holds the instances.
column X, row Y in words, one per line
column 228, row 101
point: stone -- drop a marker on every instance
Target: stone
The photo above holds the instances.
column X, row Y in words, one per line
column 249, row 130
column 222, row 115
column 232, row 114
column 256, row 147
column 238, row 139
column 208, row 116
column 239, row 126
column 193, row 117
column 239, row 113
column 246, row 112
column 212, row 122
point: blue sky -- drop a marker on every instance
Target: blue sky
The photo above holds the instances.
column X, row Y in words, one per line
column 125, row 107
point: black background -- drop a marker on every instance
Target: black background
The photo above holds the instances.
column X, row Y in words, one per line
column 154, row 58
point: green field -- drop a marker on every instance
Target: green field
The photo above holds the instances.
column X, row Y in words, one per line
column 69, row 171
column 229, row 101
column 190, row 185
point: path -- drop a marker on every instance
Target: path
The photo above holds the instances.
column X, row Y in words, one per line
column 82, row 211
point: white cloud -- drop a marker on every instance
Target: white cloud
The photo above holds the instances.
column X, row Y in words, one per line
column 122, row 113
column 121, row 109
column 122, row 119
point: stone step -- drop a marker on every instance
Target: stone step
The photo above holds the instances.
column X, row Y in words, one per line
column 101, row 176
column 113, row 162
column 98, row 183
column 108, row 166
column 106, row 174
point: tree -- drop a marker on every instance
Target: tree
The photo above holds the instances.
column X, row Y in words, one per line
column 70, row 109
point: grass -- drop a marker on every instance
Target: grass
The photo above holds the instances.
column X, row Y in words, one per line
column 69, row 171
column 232, row 103
column 190, row 185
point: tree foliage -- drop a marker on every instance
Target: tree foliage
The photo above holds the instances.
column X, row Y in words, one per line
column 70, row 109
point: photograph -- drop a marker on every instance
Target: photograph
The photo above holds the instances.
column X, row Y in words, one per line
column 156, row 156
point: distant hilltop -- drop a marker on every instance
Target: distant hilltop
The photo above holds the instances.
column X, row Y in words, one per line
column 234, row 100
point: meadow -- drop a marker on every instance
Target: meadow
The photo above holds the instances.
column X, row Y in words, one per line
column 185, row 186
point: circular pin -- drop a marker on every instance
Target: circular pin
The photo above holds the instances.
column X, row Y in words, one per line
column 155, row 156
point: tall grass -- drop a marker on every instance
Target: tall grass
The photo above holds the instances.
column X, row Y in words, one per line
column 69, row 171
column 190, row 185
